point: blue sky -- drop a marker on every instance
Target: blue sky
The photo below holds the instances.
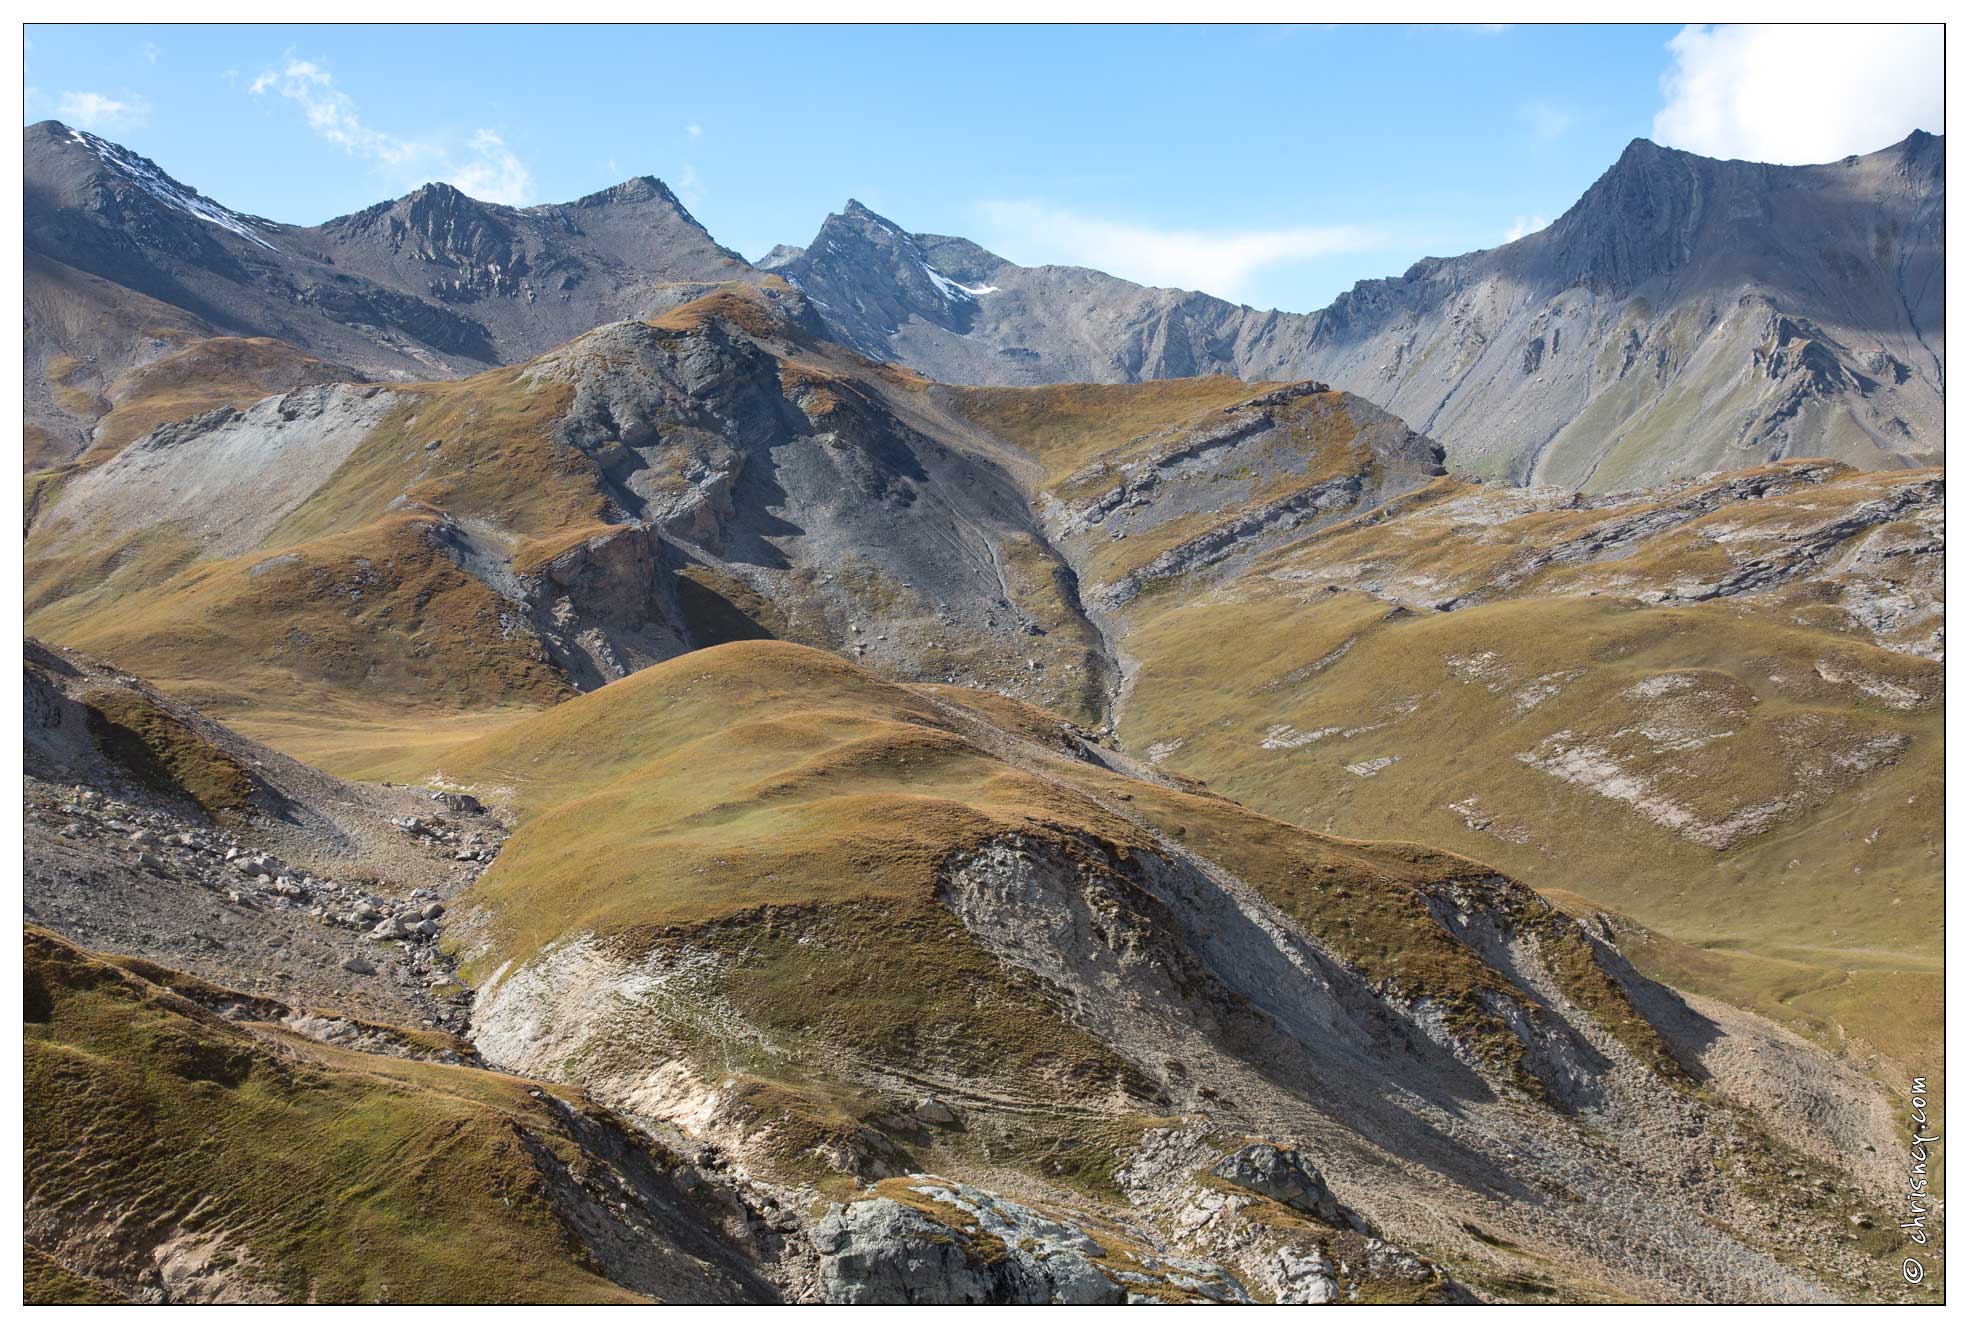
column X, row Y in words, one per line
column 1271, row 165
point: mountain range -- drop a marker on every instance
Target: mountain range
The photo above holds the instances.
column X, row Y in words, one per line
column 564, row 765
column 1685, row 315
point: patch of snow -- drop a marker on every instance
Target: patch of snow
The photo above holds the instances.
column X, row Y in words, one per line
column 168, row 191
column 955, row 291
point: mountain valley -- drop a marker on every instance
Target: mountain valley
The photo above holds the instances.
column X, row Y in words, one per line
column 563, row 765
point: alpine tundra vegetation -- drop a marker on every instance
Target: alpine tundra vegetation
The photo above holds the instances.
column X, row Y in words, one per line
column 565, row 765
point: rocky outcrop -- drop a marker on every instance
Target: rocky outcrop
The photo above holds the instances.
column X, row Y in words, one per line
column 948, row 1244
column 1282, row 1175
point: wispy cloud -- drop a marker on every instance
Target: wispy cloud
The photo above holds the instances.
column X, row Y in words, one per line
column 689, row 186
column 1733, row 91
column 1548, row 122
column 93, row 110
column 482, row 166
column 1523, row 226
column 493, row 172
column 151, row 53
column 1219, row 262
column 695, row 130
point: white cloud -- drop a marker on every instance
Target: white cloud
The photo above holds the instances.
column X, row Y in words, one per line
column 689, row 186
column 694, row 129
column 493, row 172
column 483, row 167
column 1798, row 93
column 1548, row 122
column 92, row 110
column 1523, row 226
column 1221, row 263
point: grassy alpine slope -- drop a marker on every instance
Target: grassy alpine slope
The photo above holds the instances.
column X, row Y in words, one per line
column 759, row 888
column 782, row 895
column 248, row 1163
column 1720, row 717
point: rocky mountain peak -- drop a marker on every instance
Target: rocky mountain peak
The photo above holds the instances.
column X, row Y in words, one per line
column 73, row 168
column 439, row 223
column 1921, row 158
column 1634, row 222
column 856, row 222
column 636, row 189
column 877, row 277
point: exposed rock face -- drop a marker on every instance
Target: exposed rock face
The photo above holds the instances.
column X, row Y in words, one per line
column 1685, row 315
column 1274, row 468
column 881, row 281
column 228, row 476
column 564, row 267
column 1277, row 1221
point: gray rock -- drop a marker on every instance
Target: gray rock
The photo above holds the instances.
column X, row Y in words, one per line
column 933, row 1111
column 1302, row 1276
column 1282, row 1175
column 883, row 1252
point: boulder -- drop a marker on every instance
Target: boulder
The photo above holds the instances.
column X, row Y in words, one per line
column 1282, row 1175
column 881, row 1253
column 933, row 1111
column 967, row 1247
